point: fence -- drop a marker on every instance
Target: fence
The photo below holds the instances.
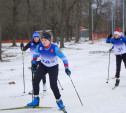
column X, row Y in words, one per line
column 17, row 41
column 97, row 36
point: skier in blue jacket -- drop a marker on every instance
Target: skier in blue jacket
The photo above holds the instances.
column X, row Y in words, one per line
column 32, row 45
column 49, row 53
column 119, row 46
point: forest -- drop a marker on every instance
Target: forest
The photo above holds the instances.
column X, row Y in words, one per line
column 65, row 18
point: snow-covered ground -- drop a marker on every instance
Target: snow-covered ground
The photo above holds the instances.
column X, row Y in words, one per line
column 89, row 66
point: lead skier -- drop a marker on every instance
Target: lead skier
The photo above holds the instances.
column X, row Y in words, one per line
column 49, row 53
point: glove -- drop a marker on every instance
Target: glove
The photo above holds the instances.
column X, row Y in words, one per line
column 125, row 32
column 68, row 72
column 34, row 67
column 110, row 50
column 22, row 46
column 110, row 36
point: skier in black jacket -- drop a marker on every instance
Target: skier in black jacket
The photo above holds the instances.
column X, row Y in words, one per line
column 32, row 45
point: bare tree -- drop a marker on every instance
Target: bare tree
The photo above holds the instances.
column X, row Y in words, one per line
column 78, row 15
column 12, row 6
column 44, row 13
column 63, row 17
column 0, row 29
column 68, row 11
column 14, row 20
column 90, row 19
column 62, row 22
column 53, row 19
column 98, row 13
column 0, row 44
column 28, row 19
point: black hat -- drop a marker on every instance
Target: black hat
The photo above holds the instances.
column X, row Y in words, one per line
column 46, row 35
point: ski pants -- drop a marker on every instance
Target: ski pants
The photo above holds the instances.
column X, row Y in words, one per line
column 119, row 59
column 44, row 78
column 53, row 75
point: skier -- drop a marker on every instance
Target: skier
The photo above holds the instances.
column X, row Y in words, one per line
column 32, row 45
column 57, row 40
column 119, row 46
column 49, row 53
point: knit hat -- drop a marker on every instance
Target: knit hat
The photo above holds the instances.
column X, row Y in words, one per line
column 36, row 34
column 117, row 32
column 46, row 35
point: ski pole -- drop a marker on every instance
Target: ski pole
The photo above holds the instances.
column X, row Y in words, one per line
column 108, row 67
column 32, row 83
column 23, row 68
column 60, row 85
column 76, row 91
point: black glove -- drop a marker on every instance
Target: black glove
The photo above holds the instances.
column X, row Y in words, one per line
column 22, row 46
column 125, row 33
column 34, row 67
column 110, row 36
column 110, row 50
column 68, row 72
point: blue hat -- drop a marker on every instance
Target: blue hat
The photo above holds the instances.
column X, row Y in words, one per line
column 46, row 35
column 35, row 34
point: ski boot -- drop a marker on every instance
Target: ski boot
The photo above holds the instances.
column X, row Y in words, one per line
column 117, row 82
column 34, row 103
column 44, row 87
column 60, row 104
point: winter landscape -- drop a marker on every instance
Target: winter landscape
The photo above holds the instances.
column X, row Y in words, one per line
column 89, row 67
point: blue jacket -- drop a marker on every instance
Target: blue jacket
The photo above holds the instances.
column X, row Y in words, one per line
column 119, row 45
column 49, row 57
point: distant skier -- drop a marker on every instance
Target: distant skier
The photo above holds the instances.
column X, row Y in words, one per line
column 57, row 40
column 49, row 53
column 119, row 46
column 32, row 45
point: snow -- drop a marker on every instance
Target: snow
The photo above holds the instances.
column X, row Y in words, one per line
column 89, row 66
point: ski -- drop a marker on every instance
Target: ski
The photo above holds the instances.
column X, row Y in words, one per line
column 26, row 107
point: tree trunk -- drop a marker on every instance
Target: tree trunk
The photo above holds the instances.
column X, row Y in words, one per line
column 90, row 23
column 28, row 20
column 62, row 33
column 14, row 26
column 62, row 25
column 16, row 3
column 0, row 44
column 53, row 32
column 70, row 31
column 78, row 22
column 44, row 15
column 67, row 27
